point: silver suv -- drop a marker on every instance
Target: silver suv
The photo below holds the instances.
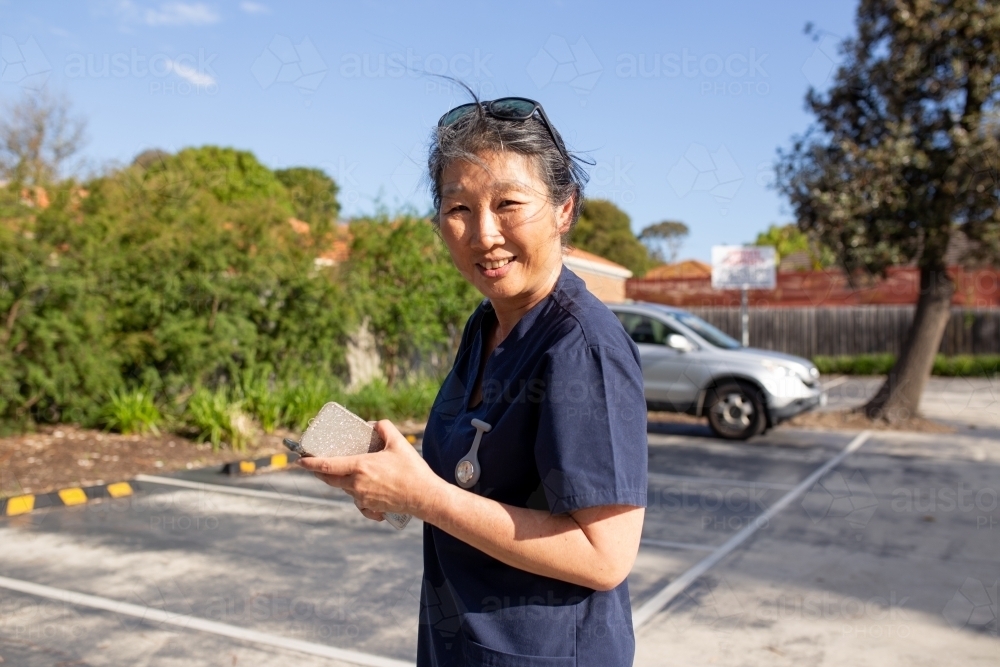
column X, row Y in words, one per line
column 690, row 366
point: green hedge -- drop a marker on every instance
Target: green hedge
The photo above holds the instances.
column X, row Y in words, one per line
column 180, row 279
column 963, row 365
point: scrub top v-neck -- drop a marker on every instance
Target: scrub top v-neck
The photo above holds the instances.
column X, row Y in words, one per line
column 563, row 394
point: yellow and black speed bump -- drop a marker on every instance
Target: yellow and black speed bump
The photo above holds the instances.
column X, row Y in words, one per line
column 29, row 502
column 273, row 462
column 278, row 461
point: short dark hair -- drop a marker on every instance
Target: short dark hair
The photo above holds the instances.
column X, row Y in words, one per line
column 478, row 132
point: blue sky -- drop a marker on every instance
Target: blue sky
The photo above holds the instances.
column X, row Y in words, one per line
column 682, row 105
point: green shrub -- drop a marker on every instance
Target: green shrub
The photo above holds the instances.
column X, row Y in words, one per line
column 179, row 273
column 220, row 419
column 131, row 411
column 302, row 400
column 182, row 271
column 413, row 400
column 967, row 365
column 880, row 364
column 262, row 401
column 371, row 402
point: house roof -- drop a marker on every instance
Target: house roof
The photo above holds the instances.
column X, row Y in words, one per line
column 575, row 258
column 689, row 268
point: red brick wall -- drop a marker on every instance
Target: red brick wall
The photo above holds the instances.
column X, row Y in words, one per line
column 974, row 289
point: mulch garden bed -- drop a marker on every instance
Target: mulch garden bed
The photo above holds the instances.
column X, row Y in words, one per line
column 57, row 457
column 855, row 421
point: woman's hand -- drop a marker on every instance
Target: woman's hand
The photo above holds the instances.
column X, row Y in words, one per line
column 395, row 479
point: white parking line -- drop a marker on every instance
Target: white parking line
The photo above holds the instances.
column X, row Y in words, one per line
column 686, row 546
column 662, row 478
column 195, row 623
column 836, row 382
column 240, row 491
column 677, row 586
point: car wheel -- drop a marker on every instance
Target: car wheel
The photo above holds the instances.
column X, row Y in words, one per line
column 736, row 411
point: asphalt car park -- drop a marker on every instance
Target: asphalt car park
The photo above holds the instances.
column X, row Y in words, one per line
column 795, row 547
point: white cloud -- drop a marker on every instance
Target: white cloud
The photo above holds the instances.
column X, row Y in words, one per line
column 168, row 13
column 181, row 13
column 254, row 8
column 191, row 75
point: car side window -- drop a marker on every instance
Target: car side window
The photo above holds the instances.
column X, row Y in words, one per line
column 642, row 329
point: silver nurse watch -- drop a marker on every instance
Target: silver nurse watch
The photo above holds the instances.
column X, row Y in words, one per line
column 468, row 469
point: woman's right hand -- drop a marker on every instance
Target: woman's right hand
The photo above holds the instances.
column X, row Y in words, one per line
column 396, row 479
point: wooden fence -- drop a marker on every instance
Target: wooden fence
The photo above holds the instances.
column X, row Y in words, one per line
column 808, row 332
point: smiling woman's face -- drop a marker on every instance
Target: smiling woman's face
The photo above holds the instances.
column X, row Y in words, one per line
column 501, row 229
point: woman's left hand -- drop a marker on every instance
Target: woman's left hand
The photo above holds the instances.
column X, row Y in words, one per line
column 396, row 479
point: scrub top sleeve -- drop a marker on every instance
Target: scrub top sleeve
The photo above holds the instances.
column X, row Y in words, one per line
column 591, row 445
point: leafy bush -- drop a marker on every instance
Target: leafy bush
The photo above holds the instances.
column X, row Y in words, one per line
column 413, row 400
column 220, row 419
column 407, row 400
column 131, row 411
column 881, row 364
column 303, row 399
column 176, row 273
column 967, row 365
column 261, row 400
column 372, row 401
column 183, row 271
column 404, row 283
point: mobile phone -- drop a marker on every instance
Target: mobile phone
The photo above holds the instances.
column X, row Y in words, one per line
column 336, row 431
column 295, row 447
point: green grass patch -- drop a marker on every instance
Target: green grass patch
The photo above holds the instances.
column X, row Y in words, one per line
column 131, row 411
column 220, row 418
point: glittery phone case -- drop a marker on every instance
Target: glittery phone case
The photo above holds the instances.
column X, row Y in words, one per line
column 336, row 431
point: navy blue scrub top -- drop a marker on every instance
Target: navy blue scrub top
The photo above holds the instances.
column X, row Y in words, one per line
column 564, row 395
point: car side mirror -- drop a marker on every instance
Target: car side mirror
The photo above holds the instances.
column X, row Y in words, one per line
column 679, row 343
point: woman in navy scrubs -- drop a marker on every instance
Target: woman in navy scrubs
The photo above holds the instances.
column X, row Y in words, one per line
column 527, row 566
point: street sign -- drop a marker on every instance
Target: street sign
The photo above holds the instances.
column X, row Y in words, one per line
column 743, row 267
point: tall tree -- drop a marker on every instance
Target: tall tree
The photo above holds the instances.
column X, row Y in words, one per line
column 314, row 196
column 606, row 230
column 904, row 154
column 38, row 135
column 664, row 239
column 788, row 239
column 401, row 278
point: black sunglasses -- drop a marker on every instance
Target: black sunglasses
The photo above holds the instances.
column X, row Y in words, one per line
column 505, row 108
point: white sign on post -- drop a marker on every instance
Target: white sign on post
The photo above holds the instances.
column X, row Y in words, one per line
column 743, row 267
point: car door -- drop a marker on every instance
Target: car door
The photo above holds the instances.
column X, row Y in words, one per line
column 669, row 376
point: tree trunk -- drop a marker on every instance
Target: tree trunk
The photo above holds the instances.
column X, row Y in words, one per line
column 899, row 396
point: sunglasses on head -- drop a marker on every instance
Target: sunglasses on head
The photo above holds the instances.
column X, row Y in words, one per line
column 504, row 108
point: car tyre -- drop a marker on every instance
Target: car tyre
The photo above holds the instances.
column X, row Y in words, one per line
column 736, row 411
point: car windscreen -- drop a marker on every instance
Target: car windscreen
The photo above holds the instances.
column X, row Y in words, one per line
column 707, row 331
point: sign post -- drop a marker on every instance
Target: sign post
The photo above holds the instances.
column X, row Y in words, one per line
column 743, row 268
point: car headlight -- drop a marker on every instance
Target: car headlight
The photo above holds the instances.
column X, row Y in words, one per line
column 778, row 369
